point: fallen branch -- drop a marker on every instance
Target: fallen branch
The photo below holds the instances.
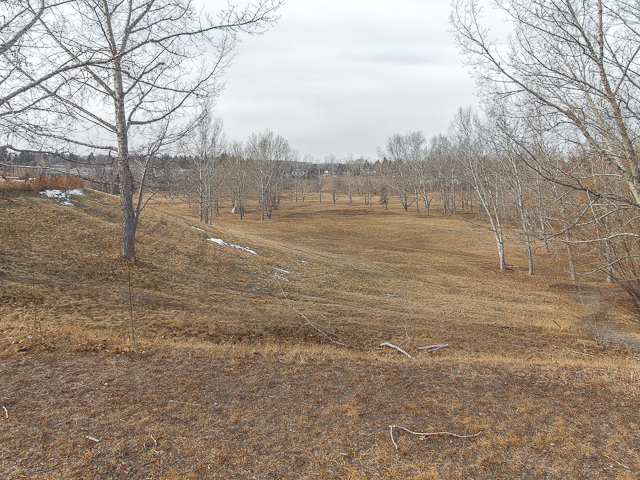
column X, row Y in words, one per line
column 424, row 435
column 614, row 460
column 433, row 348
column 328, row 333
column 92, row 439
column 388, row 344
column 6, row 412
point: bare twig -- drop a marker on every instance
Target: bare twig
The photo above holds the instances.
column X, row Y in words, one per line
column 424, row 435
column 614, row 460
column 408, row 340
column 388, row 344
column 93, row 439
column 433, row 348
column 328, row 333
column 6, row 412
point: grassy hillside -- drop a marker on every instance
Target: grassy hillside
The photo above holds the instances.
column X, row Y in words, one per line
column 228, row 379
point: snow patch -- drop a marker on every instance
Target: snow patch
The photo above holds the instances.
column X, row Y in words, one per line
column 281, row 274
column 222, row 243
column 62, row 196
column 242, row 248
column 198, row 229
column 218, row 241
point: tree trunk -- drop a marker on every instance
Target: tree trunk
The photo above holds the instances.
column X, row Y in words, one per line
column 572, row 265
column 129, row 218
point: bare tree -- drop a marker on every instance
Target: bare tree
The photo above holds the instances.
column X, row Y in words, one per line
column 406, row 154
column 206, row 144
column 349, row 166
column 23, row 42
column 268, row 153
column 335, row 181
column 319, row 172
column 144, row 64
column 569, row 78
column 473, row 140
column 238, row 171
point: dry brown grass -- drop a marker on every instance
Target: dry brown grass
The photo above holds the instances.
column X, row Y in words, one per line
column 38, row 183
column 226, row 381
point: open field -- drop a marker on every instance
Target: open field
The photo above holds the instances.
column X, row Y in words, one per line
column 228, row 380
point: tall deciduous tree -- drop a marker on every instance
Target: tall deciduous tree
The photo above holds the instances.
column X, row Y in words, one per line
column 144, row 64
column 570, row 79
column 206, row 145
column 268, row 153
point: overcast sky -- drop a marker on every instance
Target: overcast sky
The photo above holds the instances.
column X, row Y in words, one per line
column 336, row 76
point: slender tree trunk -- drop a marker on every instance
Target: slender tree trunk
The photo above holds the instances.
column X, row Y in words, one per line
column 129, row 218
column 572, row 265
column 545, row 240
column 608, row 258
column 529, row 251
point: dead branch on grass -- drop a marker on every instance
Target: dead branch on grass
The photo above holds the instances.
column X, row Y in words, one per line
column 93, row 439
column 408, row 340
column 433, row 348
column 6, row 412
column 424, row 435
column 614, row 460
column 334, row 338
column 388, row 344
column 328, row 333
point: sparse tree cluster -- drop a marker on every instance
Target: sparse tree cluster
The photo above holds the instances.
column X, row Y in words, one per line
column 564, row 96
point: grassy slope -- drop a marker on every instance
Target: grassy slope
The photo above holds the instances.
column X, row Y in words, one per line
column 229, row 381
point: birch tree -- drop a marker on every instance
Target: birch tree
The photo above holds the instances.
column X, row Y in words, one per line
column 472, row 141
column 570, row 78
column 237, row 173
column 268, row 153
column 206, row 145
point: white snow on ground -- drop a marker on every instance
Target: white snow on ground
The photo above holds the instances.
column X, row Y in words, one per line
column 223, row 243
column 281, row 274
column 198, row 229
column 242, row 248
column 62, row 196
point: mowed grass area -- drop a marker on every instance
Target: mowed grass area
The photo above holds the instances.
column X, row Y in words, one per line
column 228, row 380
